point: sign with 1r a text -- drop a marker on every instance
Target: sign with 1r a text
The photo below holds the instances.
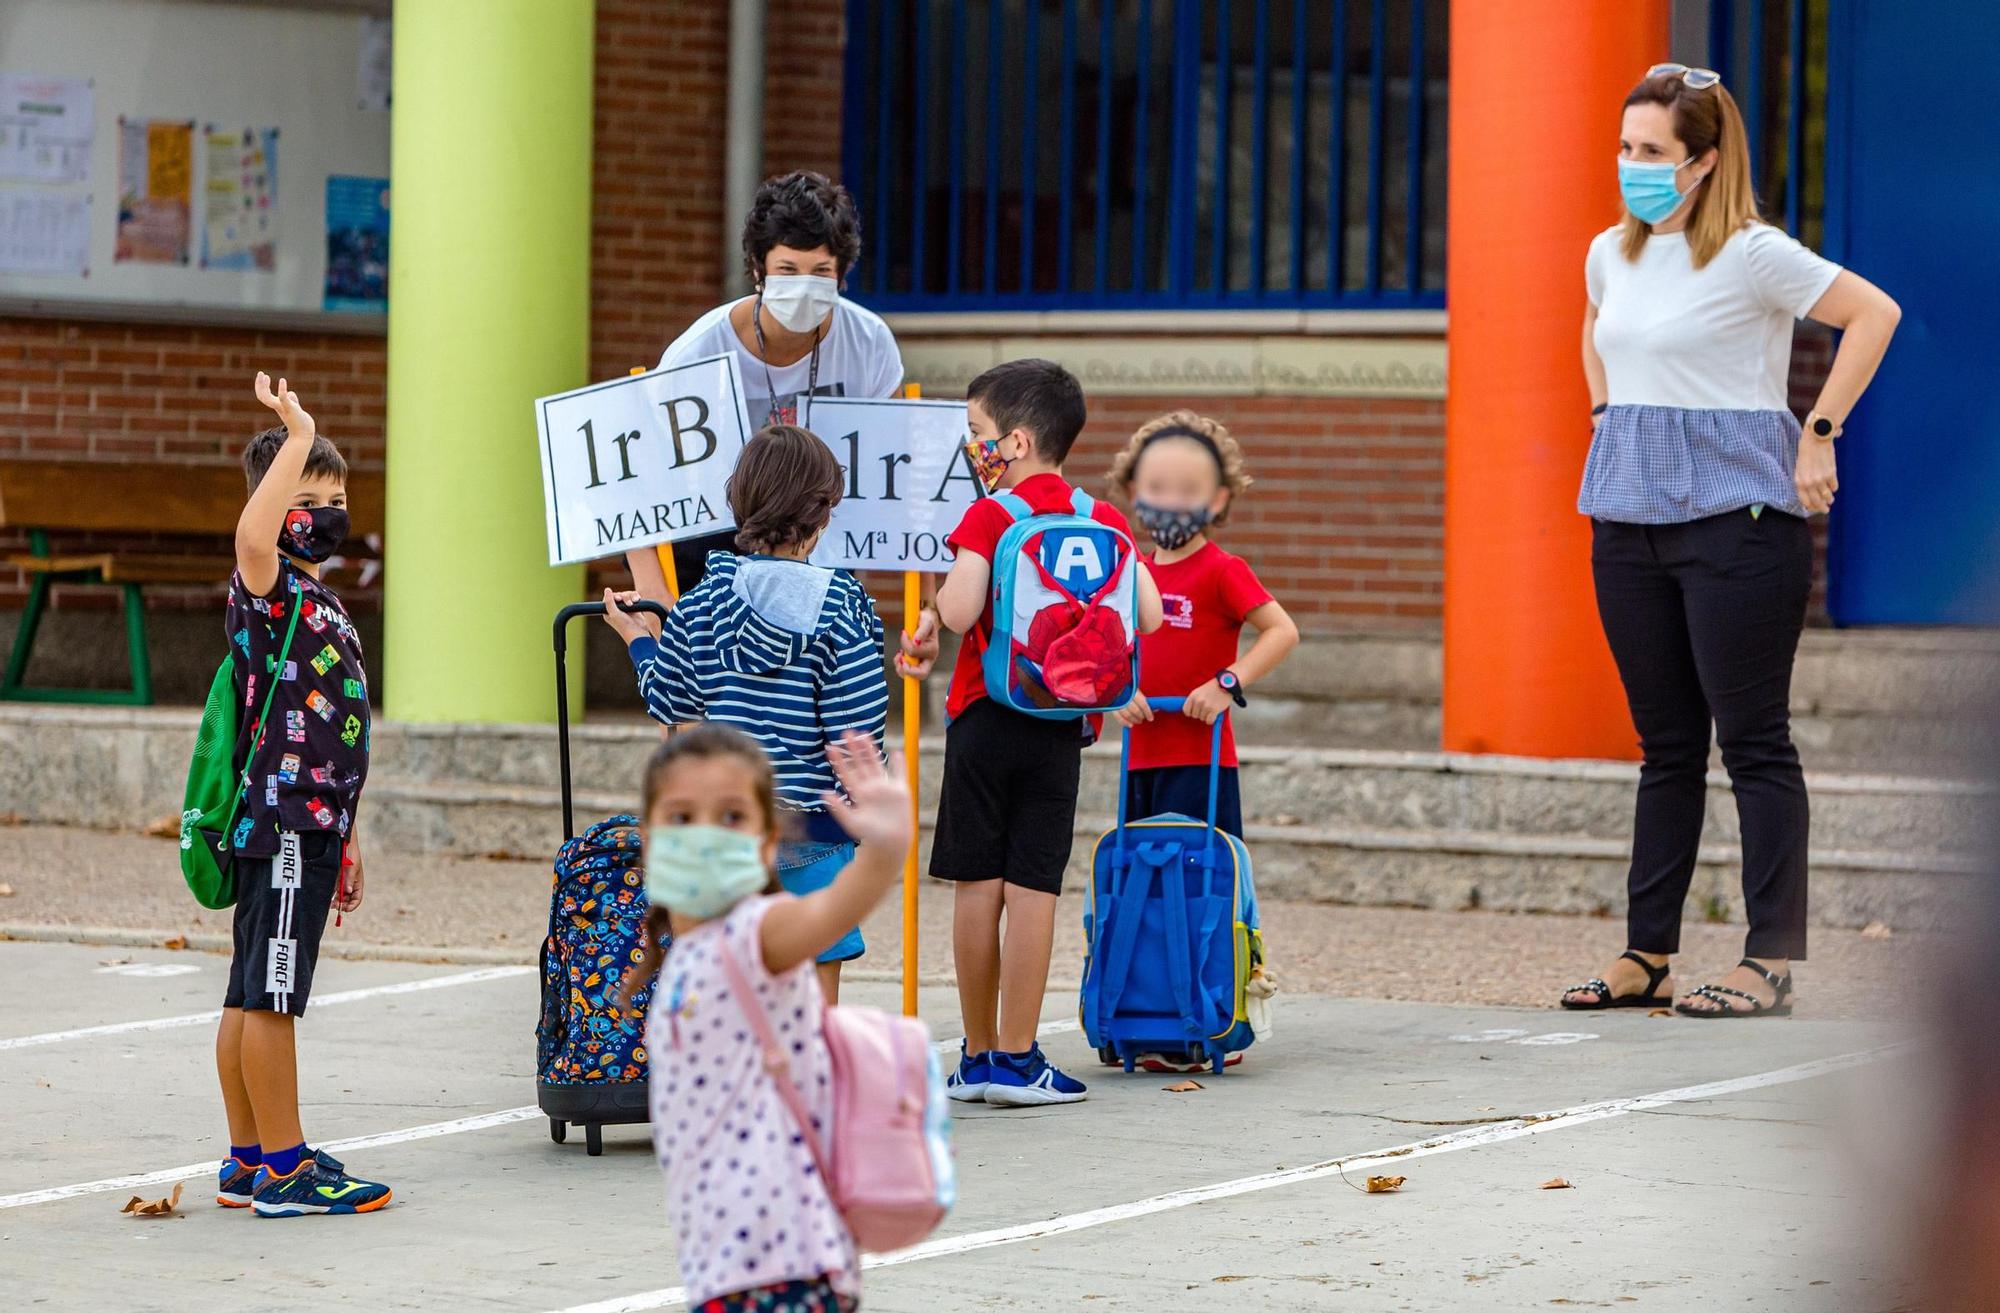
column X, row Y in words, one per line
column 642, row 460
column 908, row 482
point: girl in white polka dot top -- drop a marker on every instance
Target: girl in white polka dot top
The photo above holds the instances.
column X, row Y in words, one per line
column 752, row 1220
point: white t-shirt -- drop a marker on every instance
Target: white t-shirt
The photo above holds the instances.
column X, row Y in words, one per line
column 1717, row 338
column 857, row 358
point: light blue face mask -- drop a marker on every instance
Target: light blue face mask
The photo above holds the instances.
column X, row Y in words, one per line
column 702, row 871
column 1650, row 190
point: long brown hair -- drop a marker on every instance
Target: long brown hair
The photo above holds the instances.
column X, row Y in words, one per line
column 705, row 742
column 1704, row 119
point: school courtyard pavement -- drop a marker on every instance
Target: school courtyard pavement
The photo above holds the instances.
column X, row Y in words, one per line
column 1755, row 1165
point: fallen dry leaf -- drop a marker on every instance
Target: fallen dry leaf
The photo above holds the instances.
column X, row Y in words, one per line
column 154, row 1207
column 6, row 891
column 1183, row 1086
column 176, row 942
column 1384, row 1184
column 166, row 827
column 1557, row 1183
column 1661, row 1012
column 1876, row 930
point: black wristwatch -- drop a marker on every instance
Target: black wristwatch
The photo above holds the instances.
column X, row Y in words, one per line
column 1227, row 681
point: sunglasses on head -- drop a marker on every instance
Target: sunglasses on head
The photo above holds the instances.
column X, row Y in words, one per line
column 1694, row 79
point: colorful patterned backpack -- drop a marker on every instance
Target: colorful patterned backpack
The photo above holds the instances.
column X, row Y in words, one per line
column 1065, row 599
column 590, row 1059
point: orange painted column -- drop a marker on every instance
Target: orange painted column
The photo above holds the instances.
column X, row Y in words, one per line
column 1535, row 93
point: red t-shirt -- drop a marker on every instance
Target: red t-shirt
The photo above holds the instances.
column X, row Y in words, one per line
column 1205, row 596
column 979, row 533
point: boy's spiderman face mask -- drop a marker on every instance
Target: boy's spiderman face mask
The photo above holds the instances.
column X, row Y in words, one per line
column 313, row 533
column 988, row 465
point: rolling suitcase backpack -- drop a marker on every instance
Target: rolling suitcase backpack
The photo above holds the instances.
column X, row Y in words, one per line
column 590, row 1054
column 1171, row 933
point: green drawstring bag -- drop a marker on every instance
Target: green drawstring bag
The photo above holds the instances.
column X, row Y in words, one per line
column 215, row 785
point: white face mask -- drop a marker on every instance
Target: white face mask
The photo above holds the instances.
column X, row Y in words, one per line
column 800, row 301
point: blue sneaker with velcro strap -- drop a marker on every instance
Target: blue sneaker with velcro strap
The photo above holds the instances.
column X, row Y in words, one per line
column 1026, row 1080
column 236, row 1183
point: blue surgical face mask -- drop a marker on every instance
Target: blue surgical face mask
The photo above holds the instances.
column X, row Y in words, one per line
column 1651, row 191
column 702, row 871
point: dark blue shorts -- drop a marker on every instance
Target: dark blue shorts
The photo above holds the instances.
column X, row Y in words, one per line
column 1184, row 789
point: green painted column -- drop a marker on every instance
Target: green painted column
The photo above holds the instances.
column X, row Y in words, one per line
column 489, row 308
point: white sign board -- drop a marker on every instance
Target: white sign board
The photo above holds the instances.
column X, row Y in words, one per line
column 909, row 482
column 641, row 460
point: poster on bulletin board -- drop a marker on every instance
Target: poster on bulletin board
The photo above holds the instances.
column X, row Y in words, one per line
column 357, row 244
column 240, row 230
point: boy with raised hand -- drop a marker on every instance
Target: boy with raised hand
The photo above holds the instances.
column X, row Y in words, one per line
column 294, row 848
column 1007, row 808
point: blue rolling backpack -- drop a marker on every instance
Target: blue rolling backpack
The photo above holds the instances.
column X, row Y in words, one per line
column 1171, row 933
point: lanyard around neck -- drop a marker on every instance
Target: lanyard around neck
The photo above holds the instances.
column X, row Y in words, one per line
column 804, row 416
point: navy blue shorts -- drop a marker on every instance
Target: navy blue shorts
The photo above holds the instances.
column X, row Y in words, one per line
column 1184, row 789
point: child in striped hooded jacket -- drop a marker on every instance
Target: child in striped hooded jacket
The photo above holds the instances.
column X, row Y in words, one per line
column 786, row 651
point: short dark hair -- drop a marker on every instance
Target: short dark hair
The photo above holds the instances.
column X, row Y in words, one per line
column 1037, row 395
column 324, row 461
column 803, row 210
column 784, row 489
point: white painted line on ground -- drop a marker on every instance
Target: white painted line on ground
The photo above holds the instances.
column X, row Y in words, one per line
column 456, row 1126
column 1499, row 1132
column 215, row 1014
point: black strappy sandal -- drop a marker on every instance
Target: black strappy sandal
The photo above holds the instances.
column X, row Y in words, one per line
column 1605, row 999
column 1780, row 1006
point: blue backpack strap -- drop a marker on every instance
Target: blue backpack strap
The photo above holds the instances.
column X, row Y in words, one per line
column 1180, row 970
column 1133, row 881
column 1015, row 505
column 1082, row 502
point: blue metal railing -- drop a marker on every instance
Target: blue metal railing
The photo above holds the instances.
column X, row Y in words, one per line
column 1771, row 54
column 1146, row 154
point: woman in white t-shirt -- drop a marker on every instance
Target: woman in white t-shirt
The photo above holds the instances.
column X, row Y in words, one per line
column 793, row 336
column 1698, row 485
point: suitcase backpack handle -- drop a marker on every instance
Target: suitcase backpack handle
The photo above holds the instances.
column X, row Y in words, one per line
column 563, row 617
column 1174, row 707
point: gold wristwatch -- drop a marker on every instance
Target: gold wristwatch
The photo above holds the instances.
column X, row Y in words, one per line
column 1821, row 427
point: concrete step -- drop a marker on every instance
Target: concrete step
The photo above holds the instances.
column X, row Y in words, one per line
column 1340, row 788
column 1868, row 700
column 1400, row 867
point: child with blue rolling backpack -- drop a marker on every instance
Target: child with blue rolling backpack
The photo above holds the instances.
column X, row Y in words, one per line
column 1175, row 979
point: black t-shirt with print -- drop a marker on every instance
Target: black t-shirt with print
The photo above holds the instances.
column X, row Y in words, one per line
column 307, row 772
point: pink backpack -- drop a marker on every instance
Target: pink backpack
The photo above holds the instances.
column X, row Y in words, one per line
column 888, row 1166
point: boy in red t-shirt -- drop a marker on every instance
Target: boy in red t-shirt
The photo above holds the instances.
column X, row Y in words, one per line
column 1181, row 473
column 1007, row 806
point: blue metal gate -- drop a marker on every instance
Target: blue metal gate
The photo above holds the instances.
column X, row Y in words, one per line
column 1912, row 197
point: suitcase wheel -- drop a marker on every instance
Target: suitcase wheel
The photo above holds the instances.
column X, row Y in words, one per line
column 1109, row 1057
column 558, row 1130
column 593, row 1138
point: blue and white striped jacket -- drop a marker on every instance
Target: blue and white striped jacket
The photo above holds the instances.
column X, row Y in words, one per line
column 787, row 652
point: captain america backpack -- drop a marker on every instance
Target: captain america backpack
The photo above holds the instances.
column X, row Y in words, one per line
column 1065, row 598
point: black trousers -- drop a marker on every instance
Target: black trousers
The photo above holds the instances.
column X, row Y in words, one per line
column 1703, row 620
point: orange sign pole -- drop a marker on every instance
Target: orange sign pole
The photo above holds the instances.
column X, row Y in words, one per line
column 913, row 705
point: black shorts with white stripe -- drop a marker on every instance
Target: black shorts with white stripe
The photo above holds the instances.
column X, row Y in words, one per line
column 281, row 908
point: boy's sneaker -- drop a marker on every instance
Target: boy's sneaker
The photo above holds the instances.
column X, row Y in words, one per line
column 968, row 1084
column 313, row 1187
column 1021, row 1080
column 236, row 1183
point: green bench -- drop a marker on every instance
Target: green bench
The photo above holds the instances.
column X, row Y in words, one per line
column 74, row 497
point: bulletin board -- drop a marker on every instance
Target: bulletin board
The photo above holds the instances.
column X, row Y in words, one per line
column 195, row 161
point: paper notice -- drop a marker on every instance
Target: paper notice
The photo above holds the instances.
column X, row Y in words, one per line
column 46, row 127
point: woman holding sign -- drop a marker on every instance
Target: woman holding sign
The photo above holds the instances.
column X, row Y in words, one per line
column 794, row 338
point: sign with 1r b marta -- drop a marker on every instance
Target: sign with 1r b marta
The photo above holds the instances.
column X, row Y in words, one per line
column 641, row 460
